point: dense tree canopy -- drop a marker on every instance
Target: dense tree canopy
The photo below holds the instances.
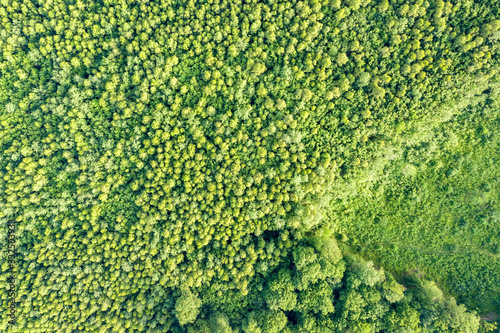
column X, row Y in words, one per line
column 170, row 163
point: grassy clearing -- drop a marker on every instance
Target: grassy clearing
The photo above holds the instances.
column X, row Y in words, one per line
column 438, row 211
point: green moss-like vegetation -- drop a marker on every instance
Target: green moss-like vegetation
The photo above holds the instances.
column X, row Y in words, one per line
column 186, row 166
column 437, row 210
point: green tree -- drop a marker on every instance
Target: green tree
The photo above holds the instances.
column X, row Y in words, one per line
column 187, row 306
column 280, row 293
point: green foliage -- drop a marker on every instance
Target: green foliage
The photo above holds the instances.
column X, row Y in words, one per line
column 316, row 298
column 250, row 323
column 365, row 273
column 280, row 293
column 187, row 307
column 181, row 165
column 392, row 291
column 219, row 323
column 403, row 318
column 436, row 211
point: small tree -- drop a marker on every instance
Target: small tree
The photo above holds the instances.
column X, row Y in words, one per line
column 187, row 307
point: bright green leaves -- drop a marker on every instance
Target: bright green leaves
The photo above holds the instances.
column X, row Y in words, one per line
column 452, row 317
column 403, row 317
column 280, row 293
column 303, row 256
column 211, row 126
column 187, row 306
column 258, row 69
column 342, row 59
column 219, row 323
column 312, row 266
column 392, row 291
column 316, row 298
column 441, row 313
column 251, row 323
column 363, row 272
column 264, row 321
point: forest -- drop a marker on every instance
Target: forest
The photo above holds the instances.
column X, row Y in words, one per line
column 254, row 166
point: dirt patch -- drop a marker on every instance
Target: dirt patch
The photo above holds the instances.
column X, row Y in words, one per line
column 491, row 317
